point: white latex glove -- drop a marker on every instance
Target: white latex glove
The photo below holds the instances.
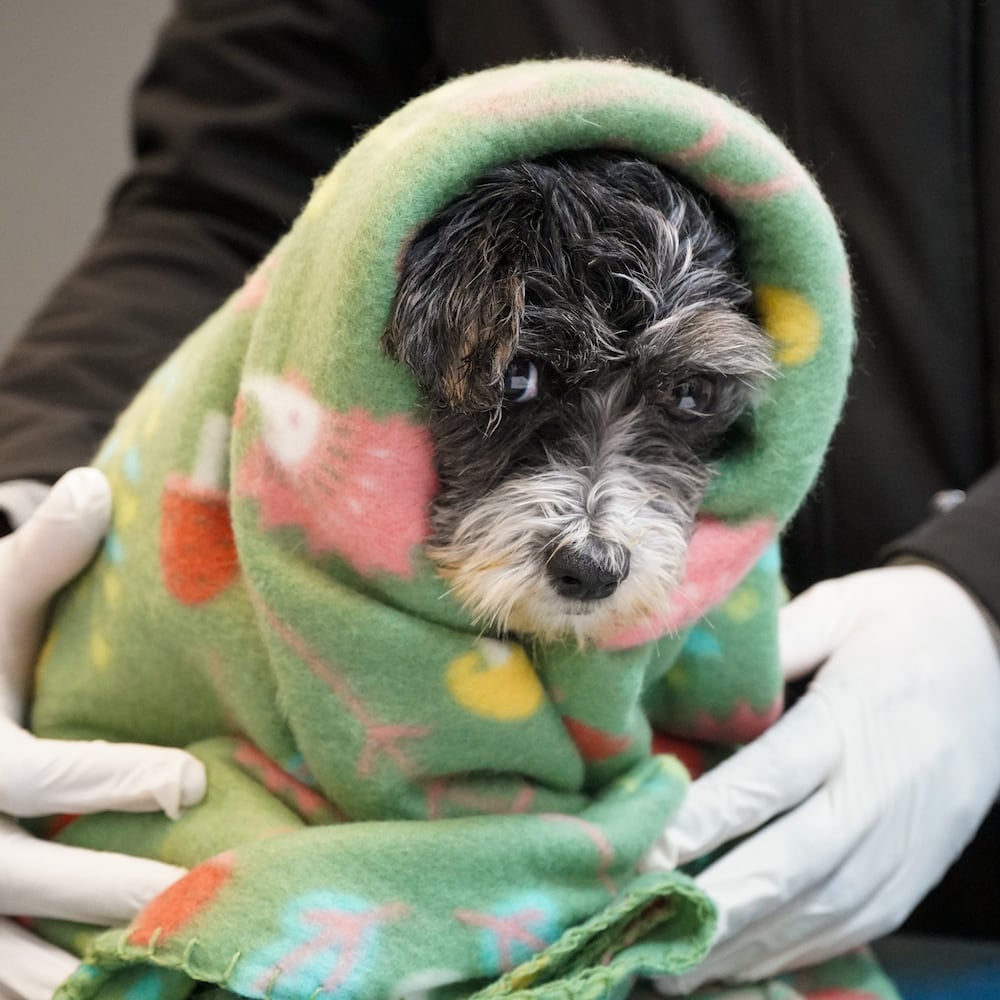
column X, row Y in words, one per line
column 38, row 777
column 878, row 776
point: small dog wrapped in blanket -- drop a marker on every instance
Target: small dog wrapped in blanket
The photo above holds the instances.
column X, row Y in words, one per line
column 429, row 539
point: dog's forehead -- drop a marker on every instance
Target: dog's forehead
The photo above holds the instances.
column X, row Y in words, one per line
column 707, row 339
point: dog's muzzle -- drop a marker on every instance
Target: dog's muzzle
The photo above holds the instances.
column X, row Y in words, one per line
column 585, row 575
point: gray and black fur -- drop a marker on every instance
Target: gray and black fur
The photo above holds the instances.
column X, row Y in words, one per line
column 582, row 335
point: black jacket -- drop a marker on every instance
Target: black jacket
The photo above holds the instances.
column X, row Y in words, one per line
column 894, row 106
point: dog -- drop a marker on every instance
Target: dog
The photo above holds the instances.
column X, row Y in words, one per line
column 552, row 397
column 582, row 334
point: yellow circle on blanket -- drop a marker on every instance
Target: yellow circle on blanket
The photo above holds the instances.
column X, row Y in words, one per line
column 100, row 651
column 495, row 680
column 791, row 321
column 151, row 421
column 45, row 653
column 112, row 586
column 126, row 508
column 742, row 604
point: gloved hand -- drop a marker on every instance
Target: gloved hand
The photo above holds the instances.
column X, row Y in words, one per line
column 880, row 775
column 38, row 777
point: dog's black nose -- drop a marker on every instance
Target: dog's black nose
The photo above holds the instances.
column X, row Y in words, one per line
column 582, row 577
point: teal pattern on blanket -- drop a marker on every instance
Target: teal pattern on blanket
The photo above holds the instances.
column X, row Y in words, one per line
column 400, row 804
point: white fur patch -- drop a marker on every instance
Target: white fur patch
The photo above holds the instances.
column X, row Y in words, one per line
column 496, row 559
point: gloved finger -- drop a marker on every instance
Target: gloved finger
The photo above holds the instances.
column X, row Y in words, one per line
column 779, row 863
column 96, row 887
column 742, row 960
column 59, row 776
column 30, row 968
column 813, row 625
column 772, row 774
column 758, row 958
column 58, row 540
column 831, row 919
column 775, row 915
column 840, row 912
column 36, row 561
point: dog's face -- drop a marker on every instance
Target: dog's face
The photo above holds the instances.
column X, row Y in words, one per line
column 580, row 332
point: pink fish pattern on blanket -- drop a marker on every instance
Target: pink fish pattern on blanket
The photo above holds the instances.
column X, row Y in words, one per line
column 357, row 486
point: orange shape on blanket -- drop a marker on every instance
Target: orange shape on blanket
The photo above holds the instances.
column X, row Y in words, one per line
column 197, row 549
column 743, row 724
column 690, row 754
column 595, row 744
column 181, row 902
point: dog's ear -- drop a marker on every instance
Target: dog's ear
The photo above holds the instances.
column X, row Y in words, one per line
column 458, row 308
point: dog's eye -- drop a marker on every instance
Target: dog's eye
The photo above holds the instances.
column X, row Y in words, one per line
column 520, row 381
column 692, row 397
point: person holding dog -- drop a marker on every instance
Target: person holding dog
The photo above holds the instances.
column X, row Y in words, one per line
column 885, row 768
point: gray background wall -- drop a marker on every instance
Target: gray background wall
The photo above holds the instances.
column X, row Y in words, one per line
column 66, row 69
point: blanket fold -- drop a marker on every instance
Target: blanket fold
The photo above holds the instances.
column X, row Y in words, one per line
column 400, row 804
column 357, row 936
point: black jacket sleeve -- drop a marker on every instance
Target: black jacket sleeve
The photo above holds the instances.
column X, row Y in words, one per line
column 965, row 542
column 245, row 102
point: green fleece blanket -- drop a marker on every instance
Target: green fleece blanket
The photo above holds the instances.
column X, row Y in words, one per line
column 399, row 804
